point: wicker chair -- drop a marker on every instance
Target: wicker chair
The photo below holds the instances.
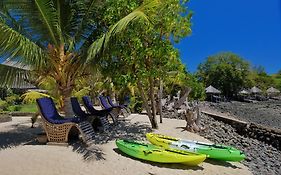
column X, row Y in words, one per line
column 57, row 132
column 56, row 127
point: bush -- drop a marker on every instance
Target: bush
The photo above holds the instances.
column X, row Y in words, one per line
column 13, row 99
column 136, row 104
column 3, row 105
column 14, row 108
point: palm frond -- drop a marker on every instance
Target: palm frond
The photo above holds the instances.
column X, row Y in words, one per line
column 39, row 16
column 84, row 91
column 31, row 96
column 87, row 23
column 80, row 21
column 49, row 17
column 19, row 25
column 139, row 13
column 14, row 45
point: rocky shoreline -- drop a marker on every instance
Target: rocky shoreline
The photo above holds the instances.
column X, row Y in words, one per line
column 267, row 113
column 262, row 158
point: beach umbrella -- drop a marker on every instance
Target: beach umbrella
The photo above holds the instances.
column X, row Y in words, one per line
column 244, row 92
column 255, row 90
column 272, row 90
column 212, row 90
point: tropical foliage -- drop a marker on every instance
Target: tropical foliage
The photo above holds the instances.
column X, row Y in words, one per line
column 231, row 73
column 144, row 58
column 258, row 77
column 30, row 97
column 277, row 80
column 61, row 40
column 225, row 71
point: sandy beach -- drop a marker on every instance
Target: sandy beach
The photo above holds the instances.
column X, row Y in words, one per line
column 21, row 154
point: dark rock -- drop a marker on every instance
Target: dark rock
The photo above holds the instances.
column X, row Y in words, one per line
column 261, row 158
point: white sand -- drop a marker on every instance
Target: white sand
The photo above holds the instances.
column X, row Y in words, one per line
column 99, row 159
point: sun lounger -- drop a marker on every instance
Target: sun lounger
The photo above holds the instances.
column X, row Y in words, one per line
column 105, row 112
column 57, row 128
column 116, row 109
column 123, row 106
column 99, row 122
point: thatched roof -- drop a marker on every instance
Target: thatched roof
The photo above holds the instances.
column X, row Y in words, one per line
column 19, row 81
column 255, row 90
column 272, row 90
column 21, row 84
column 16, row 65
column 212, row 90
column 244, row 92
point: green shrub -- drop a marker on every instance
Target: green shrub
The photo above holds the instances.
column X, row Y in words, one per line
column 136, row 104
column 3, row 105
column 13, row 99
column 14, row 108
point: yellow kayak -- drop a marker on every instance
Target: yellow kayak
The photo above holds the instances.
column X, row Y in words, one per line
column 157, row 154
column 213, row 151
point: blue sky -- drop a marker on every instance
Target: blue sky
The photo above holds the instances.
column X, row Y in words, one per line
column 249, row 28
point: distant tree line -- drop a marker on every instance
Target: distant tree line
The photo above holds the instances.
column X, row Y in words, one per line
column 231, row 73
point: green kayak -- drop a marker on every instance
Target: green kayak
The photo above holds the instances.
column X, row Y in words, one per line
column 157, row 154
column 219, row 152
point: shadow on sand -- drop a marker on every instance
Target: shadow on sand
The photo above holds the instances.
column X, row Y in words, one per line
column 18, row 135
column 222, row 163
column 124, row 129
column 163, row 165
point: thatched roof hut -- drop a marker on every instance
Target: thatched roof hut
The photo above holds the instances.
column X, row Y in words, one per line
column 272, row 90
column 255, row 90
column 212, row 90
column 244, row 92
column 19, row 81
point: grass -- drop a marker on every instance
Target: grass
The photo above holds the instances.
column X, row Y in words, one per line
column 28, row 108
column 23, row 108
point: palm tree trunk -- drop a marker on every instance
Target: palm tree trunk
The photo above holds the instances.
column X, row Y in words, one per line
column 66, row 103
column 148, row 110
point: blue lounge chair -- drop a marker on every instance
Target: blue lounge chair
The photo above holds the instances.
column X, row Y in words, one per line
column 105, row 112
column 49, row 112
column 57, row 128
column 98, row 122
column 116, row 109
column 122, row 106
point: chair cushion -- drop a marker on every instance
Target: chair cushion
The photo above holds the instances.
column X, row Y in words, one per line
column 50, row 113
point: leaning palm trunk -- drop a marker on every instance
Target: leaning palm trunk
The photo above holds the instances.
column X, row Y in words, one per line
column 148, row 110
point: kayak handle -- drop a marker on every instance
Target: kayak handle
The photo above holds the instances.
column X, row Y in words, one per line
column 150, row 151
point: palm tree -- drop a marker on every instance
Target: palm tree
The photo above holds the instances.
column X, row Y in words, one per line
column 60, row 39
